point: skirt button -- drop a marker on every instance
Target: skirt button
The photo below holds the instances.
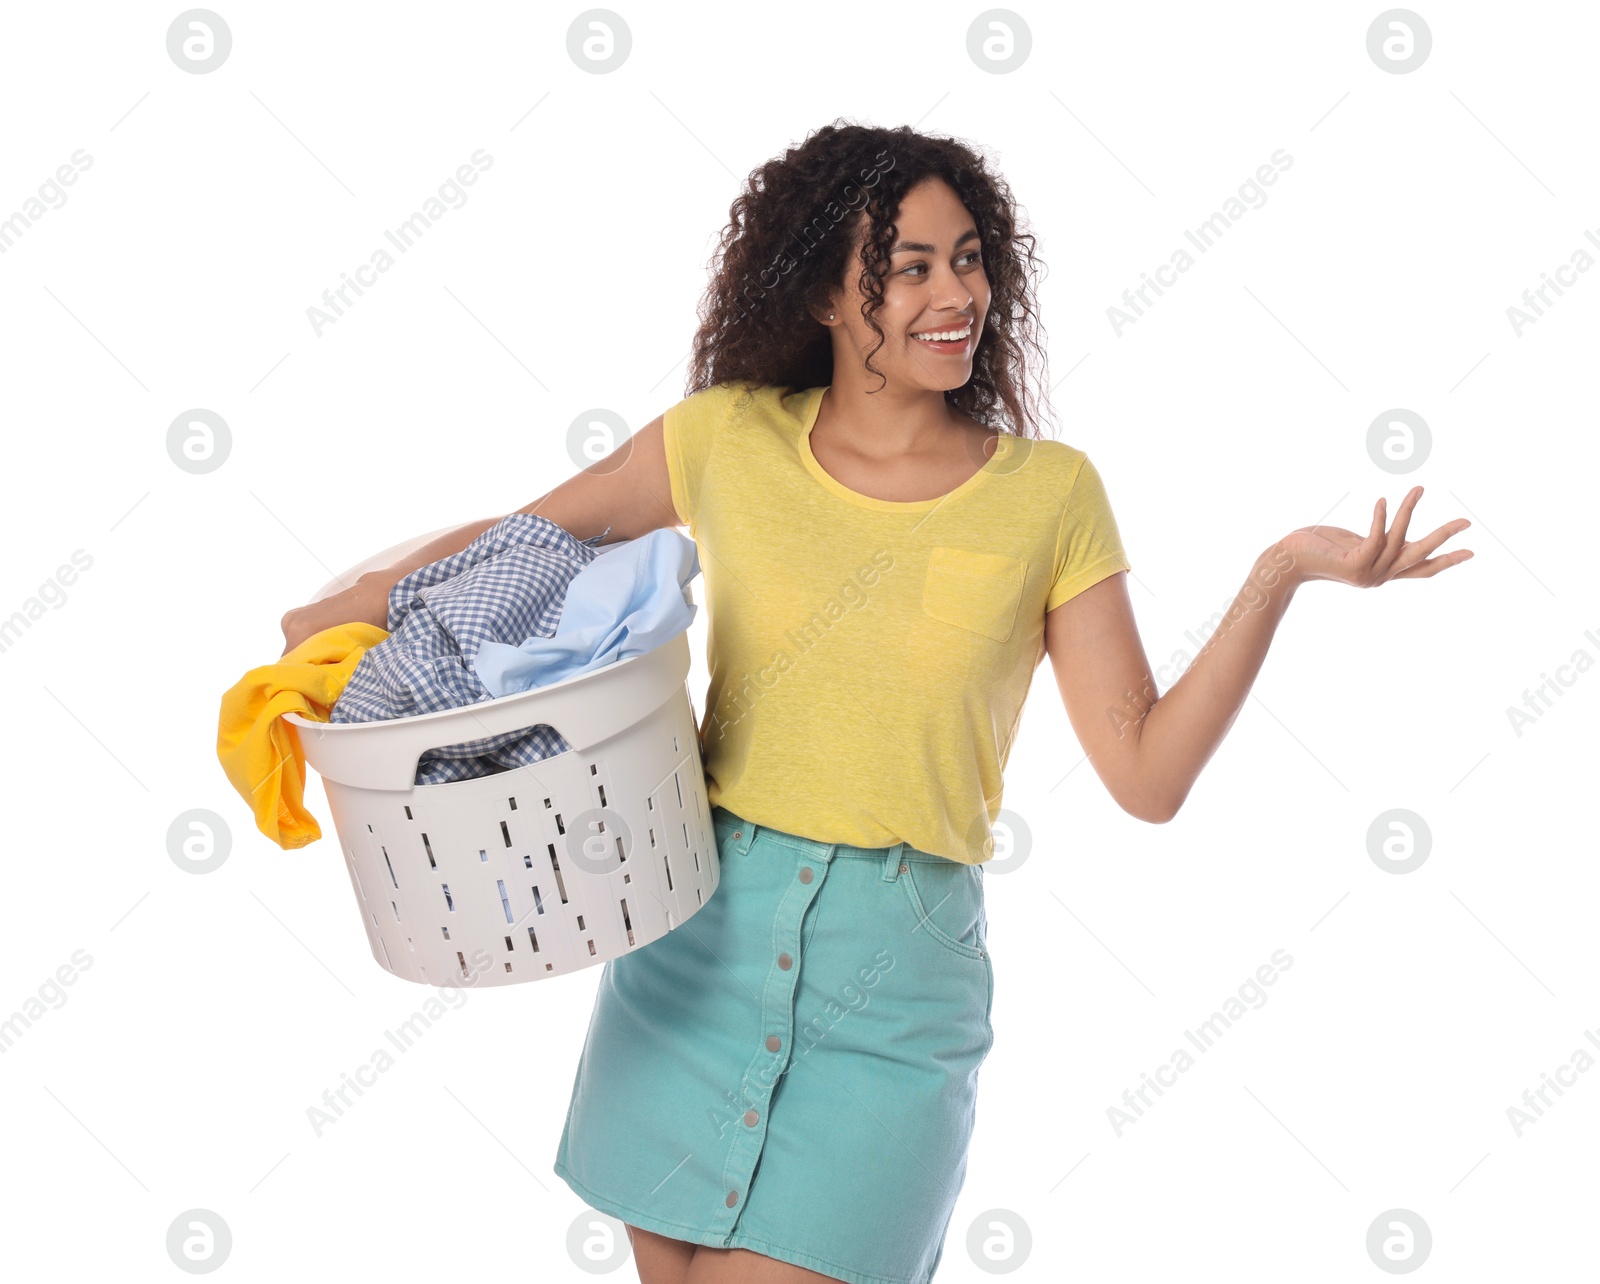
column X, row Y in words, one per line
column 751, row 1118
column 785, row 962
column 737, row 832
column 733, row 1198
column 905, row 869
column 806, row 875
column 773, row 1043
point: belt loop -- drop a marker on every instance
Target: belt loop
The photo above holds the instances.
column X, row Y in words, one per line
column 891, row 861
column 742, row 835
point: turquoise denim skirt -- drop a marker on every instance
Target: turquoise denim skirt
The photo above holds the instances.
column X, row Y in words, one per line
column 794, row 1069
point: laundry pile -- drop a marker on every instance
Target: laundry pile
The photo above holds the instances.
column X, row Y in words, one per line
column 524, row 605
column 509, row 583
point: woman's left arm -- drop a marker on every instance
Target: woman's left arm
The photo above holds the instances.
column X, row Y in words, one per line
column 1148, row 748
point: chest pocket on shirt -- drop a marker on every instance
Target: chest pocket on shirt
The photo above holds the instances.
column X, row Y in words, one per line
column 974, row 591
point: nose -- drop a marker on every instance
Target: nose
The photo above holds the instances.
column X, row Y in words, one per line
column 950, row 294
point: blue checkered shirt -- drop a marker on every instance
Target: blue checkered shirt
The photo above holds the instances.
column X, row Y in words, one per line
column 507, row 585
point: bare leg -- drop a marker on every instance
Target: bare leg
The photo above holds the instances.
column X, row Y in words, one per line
column 741, row 1266
column 660, row 1259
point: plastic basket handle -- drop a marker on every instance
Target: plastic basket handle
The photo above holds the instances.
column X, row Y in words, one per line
column 586, row 709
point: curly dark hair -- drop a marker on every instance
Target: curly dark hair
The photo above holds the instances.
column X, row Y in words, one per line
column 782, row 254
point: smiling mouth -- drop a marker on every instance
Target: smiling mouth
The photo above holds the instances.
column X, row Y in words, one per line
column 945, row 344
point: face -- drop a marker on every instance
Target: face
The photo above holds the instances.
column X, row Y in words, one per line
column 934, row 283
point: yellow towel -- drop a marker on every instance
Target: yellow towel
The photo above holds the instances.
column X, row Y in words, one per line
column 260, row 752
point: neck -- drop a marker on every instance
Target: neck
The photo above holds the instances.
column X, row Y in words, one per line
column 884, row 423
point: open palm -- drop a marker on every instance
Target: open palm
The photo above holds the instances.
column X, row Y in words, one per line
column 1332, row 553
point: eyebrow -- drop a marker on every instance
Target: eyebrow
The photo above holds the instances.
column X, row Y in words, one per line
column 971, row 234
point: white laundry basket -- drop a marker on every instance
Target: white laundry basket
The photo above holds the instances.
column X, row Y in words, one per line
column 541, row 869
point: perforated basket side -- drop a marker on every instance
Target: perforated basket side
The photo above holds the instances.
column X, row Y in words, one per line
column 537, row 871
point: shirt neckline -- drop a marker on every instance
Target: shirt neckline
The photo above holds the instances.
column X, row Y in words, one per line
column 1002, row 448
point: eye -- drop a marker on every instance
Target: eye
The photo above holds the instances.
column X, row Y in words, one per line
column 970, row 254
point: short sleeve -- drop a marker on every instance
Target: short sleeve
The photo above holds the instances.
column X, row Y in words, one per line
column 1088, row 544
column 689, row 433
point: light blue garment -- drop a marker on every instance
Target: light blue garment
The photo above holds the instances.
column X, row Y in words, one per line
column 630, row 599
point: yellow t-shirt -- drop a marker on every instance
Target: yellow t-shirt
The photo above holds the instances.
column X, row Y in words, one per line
column 869, row 658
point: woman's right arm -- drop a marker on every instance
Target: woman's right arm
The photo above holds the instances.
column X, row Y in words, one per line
column 628, row 490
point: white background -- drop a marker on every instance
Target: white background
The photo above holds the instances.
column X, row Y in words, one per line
column 218, row 207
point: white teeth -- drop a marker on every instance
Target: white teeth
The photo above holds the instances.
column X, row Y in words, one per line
column 948, row 335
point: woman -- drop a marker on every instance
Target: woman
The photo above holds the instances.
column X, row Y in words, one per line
column 783, row 1088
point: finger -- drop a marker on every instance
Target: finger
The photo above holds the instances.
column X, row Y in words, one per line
column 1374, row 540
column 1419, row 549
column 1363, row 557
column 1433, row 565
column 1397, row 533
